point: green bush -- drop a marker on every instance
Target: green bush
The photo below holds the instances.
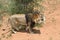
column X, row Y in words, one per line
column 19, row 6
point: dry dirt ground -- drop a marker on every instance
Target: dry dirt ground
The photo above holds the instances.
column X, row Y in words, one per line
column 51, row 28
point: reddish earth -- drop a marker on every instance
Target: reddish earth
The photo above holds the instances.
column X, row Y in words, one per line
column 51, row 28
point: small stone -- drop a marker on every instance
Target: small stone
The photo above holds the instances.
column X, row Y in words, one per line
column 3, row 29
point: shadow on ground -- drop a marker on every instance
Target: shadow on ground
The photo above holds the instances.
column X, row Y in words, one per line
column 34, row 30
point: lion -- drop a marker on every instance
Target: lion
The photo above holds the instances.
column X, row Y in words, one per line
column 28, row 20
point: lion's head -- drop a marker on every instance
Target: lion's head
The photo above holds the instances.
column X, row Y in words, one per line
column 38, row 17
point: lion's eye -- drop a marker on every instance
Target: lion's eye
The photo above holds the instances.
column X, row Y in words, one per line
column 42, row 19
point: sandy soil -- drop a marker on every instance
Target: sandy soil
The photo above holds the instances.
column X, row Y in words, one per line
column 51, row 28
